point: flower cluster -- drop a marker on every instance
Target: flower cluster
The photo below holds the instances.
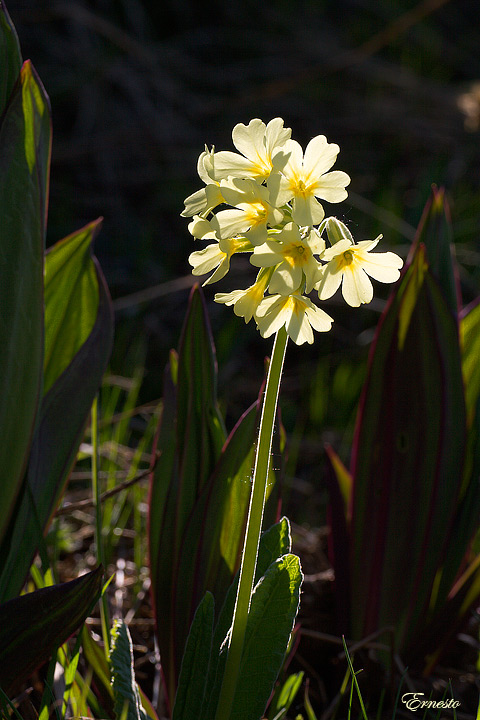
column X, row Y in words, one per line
column 273, row 191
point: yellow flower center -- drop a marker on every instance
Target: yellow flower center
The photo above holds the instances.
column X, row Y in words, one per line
column 346, row 259
column 296, row 254
column 300, row 187
column 257, row 214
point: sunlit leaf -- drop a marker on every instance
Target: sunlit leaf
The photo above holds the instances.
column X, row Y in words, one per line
column 125, row 691
column 32, row 626
column 275, row 543
column 24, row 130
column 270, row 622
column 62, row 418
column 190, row 439
column 408, row 458
column 435, row 233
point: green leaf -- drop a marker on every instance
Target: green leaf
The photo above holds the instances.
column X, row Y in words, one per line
column 272, row 614
column 71, row 300
column 407, row 458
column 23, row 204
column 190, row 439
column 193, row 673
column 470, row 342
column 274, row 544
column 10, row 57
column 63, row 415
column 125, row 690
column 214, row 535
column 32, row 626
column 435, row 233
column 284, row 696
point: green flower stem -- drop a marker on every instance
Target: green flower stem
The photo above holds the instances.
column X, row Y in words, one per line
column 253, row 530
column 104, row 615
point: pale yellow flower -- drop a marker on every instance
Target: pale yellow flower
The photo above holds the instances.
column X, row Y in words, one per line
column 208, row 197
column 258, row 143
column 246, row 302
column 296, row 312
column 217, row 257
column 252, row 213
column 304, row 178
column 293, row 258
column 350, row 265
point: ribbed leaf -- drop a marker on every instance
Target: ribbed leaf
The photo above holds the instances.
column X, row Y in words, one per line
column 62, row 418
column 190, row 440
column 340, row 485
column 127, row 703
column 71, row 300
column 10, row 57
column 214, row 535
column 194, row 670
column 407, row 458
column 470, row 340
column 274, row 543
column 435, row 233
column 270, row 623
column 33, row 625
column 24, row 163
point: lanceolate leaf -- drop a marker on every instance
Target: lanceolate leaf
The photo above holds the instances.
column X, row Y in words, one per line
column 10, row 56
column 214, row 535
column 435, row 233
column 190, row 440
column 470, row 342
column 339, row 484
column 63, row 415
column 24, row 161
column 270, row 623
column 32, row 626
column 125, row 690
column 407, row 459
column 274, row 544
column 193, row 674
column 71, row 300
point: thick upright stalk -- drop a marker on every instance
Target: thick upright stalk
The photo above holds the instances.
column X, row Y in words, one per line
column 254, row 527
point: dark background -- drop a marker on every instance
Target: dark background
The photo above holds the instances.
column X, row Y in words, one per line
column 138, row 87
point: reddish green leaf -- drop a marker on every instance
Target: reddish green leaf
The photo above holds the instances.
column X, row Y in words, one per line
column 470, row 342
column 435, row 233
column 190, row 439
column 10, row 56
column 33, row 625
column 407, row 457
column 339, row 484
column 61, row 424
column 24, row 165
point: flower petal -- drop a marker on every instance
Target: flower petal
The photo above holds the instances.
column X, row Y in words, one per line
column 249, row 139
column 319, row 156
column 205, row 260
column 227, row 223
column 276, row 135
column 232, row 164
column 356, row 286
column 330, row 281
column 384, row 267
column 307, row 210
column 285, row 279
column 298, row 327
column 331, row 187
